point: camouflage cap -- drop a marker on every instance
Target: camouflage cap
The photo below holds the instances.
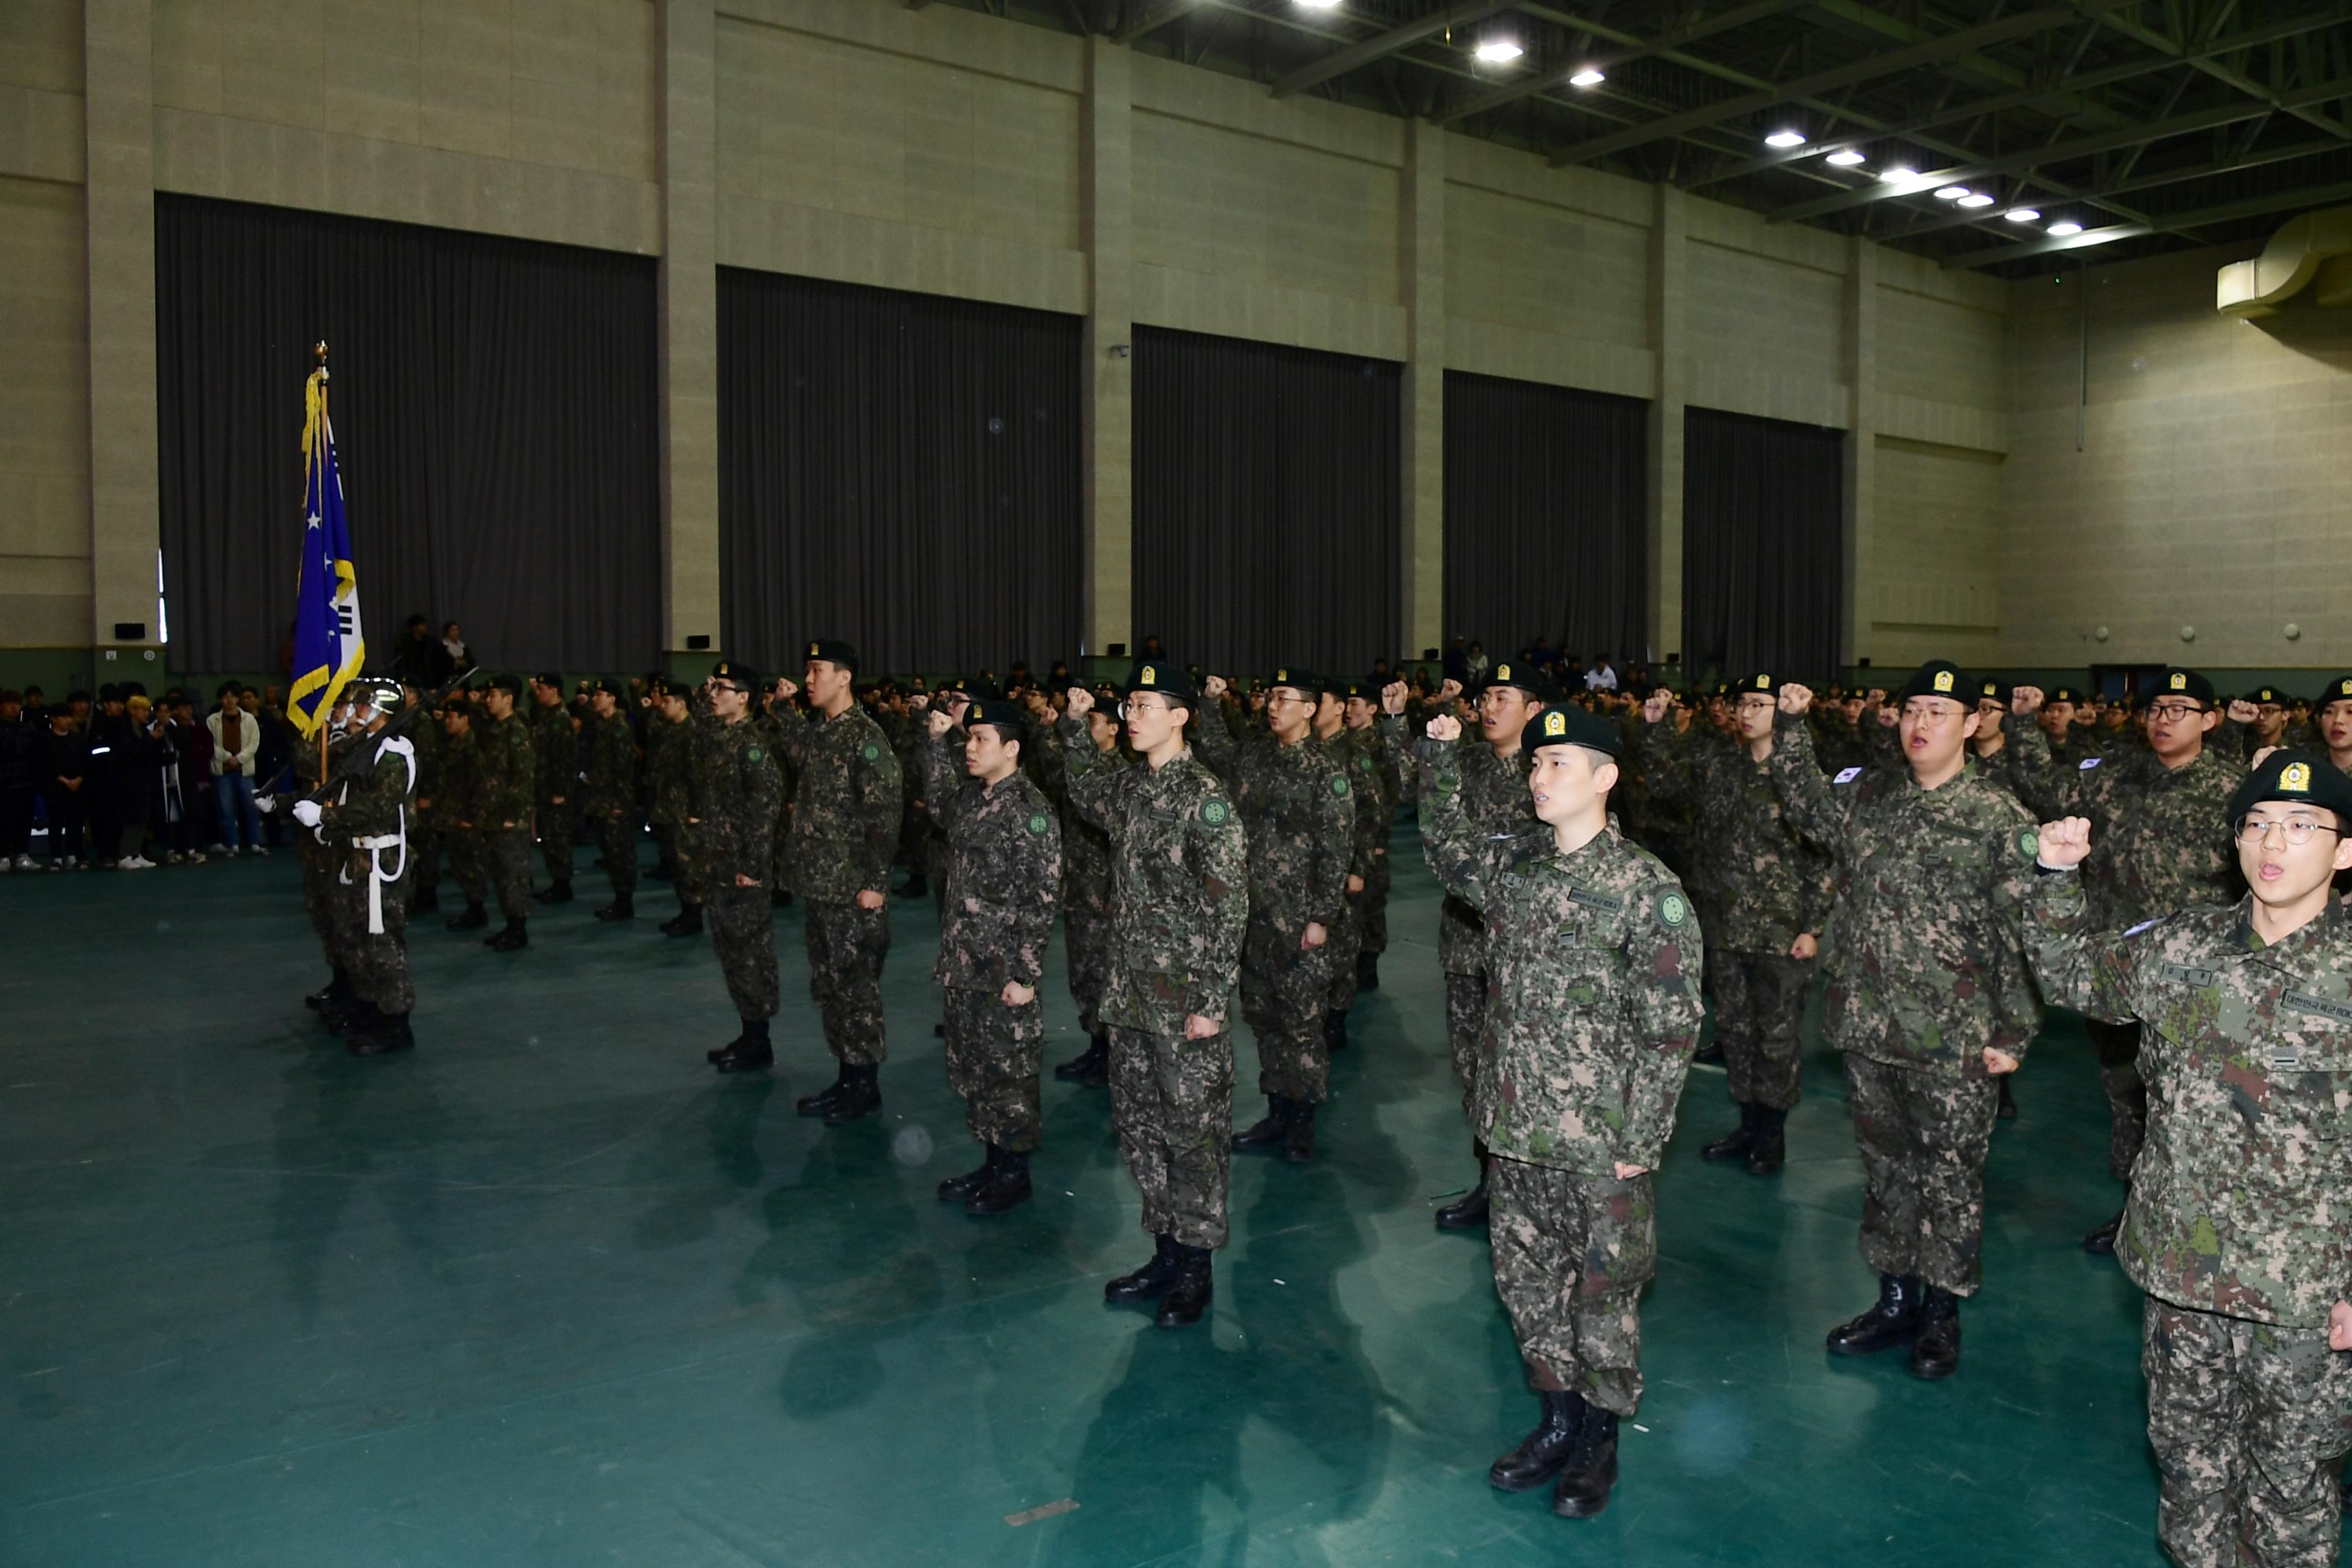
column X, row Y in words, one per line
column 833, row 651
column 1937, row 678
column 2291, row 774
column 2336, row 690
column 1568, row 725
column 1170, row 680
column 735, row 672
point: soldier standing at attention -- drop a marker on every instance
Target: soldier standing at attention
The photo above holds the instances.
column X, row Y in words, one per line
column 1179, row 887
column 1927, row 996
column 453, row 810
column 1590, row 1022
column 1494, row 791
column 732, row 832
column 1003, row 869
column 610, row 796
column 1775, row 889
column 1362, row 712
column 2236, row 1223
column 555, row 752
column 1300, row 817
column 1086, row 896
column 363, row 820
column 1353, row 754
column 669, row 771
column 505, row 782
column 847, row 809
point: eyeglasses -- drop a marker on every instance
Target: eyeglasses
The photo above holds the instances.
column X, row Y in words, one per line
column 1291, row 697
column 1129, row 710
column 2296, row 830
column 2173, row 711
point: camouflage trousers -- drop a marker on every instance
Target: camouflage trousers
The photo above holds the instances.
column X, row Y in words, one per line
column 1346, row 939
column 1571, row 1255
column 2118, row 1049
column 743, row 935
column 2248, row 1421
column 377, row 961
column 1087, row 932
column 465, row 847
column 686, row 863
column 1923, row 1140
column 554, row 824
column 505, row 860
column 994, row 1054
column 1283, row 988
column 846, row 949
column 617, row 840
column 1171, row 1100
column 424, row 854
column 1756, row 1002
column 1376, row 905
column 1466, row 1032
column 317, row 867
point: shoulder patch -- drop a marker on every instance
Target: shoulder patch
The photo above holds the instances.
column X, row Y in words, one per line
column 1365, row 762
column 2089, row 762
column 1847, row 775
column 1339, row 787
column 753, row 754
column 2029, row 843
column 872, row 752
column 1037, row 823
column 1673, row 909
column 1213, row 812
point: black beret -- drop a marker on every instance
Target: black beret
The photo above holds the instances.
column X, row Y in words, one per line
column 1009, row 720
column 1991, row 690
column 2336, row 690
column 1368, row 688
column 509, row 684
column 2063, row 694
column 735, row 672
column 596, row 683
column 2266, row 694
column 1762, row 680
column 2292, row 774
column 831, row 650
column 1297, row 677
column 1937, row 678
column 1170, row 680
column 1568, row 725
column 2180, row 683
column 1518, row 675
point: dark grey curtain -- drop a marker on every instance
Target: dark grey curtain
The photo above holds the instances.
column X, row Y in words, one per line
column 1266, row 503
column 494, row 405
column 899, row 470
column 1547, row 520
column 1763, row 545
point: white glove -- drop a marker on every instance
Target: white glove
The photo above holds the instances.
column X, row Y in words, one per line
column 307, row 812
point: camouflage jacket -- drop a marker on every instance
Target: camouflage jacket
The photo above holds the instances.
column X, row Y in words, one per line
column 1357, row 754
column 1301, row 818
column 1925, row 963
column 2159, row 840
column 740, row 787
column 2241, row 1201
column 447, row 788
column 1592, row 1007
column 376, row 804
column 1493, row 791
column 1005, row 864
column 1086, row 849
column 503, row 778
column 1180, row 883
column 612, row 783
column 848, row 801
column 555, row 751
column 1768, row 884
column 669, row 767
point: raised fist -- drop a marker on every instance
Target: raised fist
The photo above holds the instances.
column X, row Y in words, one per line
column 940, row 724
column 1392, row 699
column 1082, row 702
column 1444, row 727
column 920, row 702
column 1656, row 705
column 2065, row 842
column 2242, row 711
column 786, row 690
column 1215, row 688
column 1795, row 700
column 1448, row 690
column 2026, row 702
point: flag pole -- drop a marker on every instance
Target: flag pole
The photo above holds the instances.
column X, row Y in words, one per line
column 319, row 352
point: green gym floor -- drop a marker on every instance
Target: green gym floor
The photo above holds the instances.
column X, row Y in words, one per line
column 548, row 1292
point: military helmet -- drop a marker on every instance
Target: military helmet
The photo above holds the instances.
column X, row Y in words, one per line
column 381, row 692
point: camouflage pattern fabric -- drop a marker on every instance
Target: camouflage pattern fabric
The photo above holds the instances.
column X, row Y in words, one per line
column 1466, row 1035
column 994, row 1052
column 2160, row 842
column 555, row 756
column 1922, row 1137
column 1571, row 1255
column 848, row 802
column 428, row 741
column 1758, row 1003
column 1086, row 890
column 373, row 804
column 503, row 784
column 846, row 946
column 1494, row 791
column 734, row 838
column 1356, row 753
column 609, row 796
column 1768, row 884
column 1004, row 869
column 1171, row 1100
column 2117, row 1046
column 504, row 855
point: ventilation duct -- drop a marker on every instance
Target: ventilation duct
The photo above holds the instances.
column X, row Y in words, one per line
column 2308, row 262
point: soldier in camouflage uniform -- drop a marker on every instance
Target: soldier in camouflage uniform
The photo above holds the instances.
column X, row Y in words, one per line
column 1379, row 781
column 451, row 810
column 1494, row 793
column 2331, row 722
column 1355, row 754
column 609, row 796
column 1086, row 896
column 426, row 740
column 362, row 822
column 734, row 823
column 336, row 1003
column 669, row 774
column 2235, row 1228
column 1180, row 880
column 1590, row 1021
column 1775, row 892
column 555, row 757
column 505, row 779
column 846, row 804
column 1927, row 996
column 1301, row 816
column 2163, row 845
column 1004, row 864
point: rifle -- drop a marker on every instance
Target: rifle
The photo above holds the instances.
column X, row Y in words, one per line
column 358, row 761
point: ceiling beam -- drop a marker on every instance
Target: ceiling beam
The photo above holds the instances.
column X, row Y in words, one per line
column 2223, row 74
column 1891, row 61
column 1151, row 15
column 1989, row 218
column 1556, row 76
column 1379, row 45
column 2227, row 213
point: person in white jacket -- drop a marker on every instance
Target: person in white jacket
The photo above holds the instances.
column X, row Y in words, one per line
column 237, row 737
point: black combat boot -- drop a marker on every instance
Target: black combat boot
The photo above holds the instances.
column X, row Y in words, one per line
column 1006, row 1187
column 747, row 1051
column 780, row 898
column 2006, row 1108
column 1735, row 1144
column 624, row 907
column 334, row 990
column 1335, row 1032
column 1543, row 1451
column 1095, row 1055
column 473, row 917
column 956, row 1189
column 1771, row 1148
column 1299, row 1140
column 1709, row 1054
column 1269, row 1130
column 1190, row 1293
column 1592, row 1469
column 425, row 900
column 861, row 1096
column 554, row 894
column 687, row 922
column 1892, row 1321
column 1467, row 1211
column 349, row 1018
column 2101, row 1241
column 1935, row 1353
column 1367, row 971
column 1147, row 1283
column 820, row 1102
column 918, row 886
column 515, row 934
column 388, row 1034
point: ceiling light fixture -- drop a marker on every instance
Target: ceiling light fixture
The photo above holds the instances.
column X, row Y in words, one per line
column 1588, row 77
column 2065, row 227
column 1785, row 138
column 1898, row 174
column 2021, row 215
column 1319, row 4
column 1845, row 157
column 1494, row 51
column 1952, row 192
column 1979, row 200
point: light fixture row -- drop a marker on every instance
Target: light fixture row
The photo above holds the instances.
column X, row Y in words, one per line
column 1788, row 136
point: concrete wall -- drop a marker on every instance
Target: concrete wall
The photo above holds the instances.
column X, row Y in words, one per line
column 2213, row 489
column 945, row 150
